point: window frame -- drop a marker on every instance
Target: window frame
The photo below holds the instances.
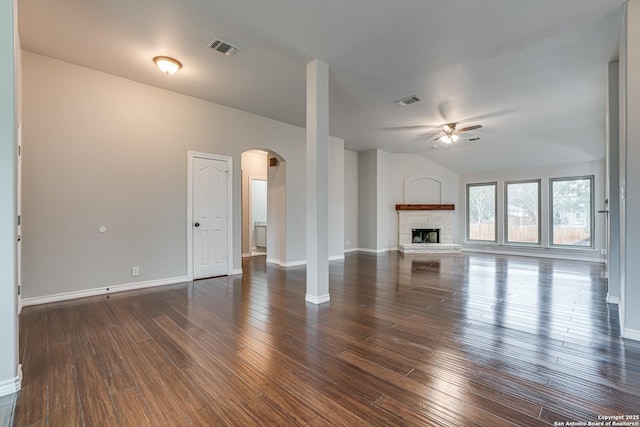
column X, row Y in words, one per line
column 506, row 213
column 495, row 212
column 592, row 224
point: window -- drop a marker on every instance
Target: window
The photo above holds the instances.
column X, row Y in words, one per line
column 523, row 212
column 567, row 221
column 572, row 211
column 481, row 212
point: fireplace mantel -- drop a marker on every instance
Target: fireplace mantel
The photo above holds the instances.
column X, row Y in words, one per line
column 425, row 207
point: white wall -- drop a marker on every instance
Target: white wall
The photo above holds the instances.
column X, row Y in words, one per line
column 385, row 221
column 9, row 116
column 421, row 190
column 350, row 200
column 544, row 173
column 336, row 199
column 368, row 199
column 277, row 213
column 103, row 150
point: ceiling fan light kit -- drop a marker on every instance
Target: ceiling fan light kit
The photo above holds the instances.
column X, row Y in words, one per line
column 448, row 139
column 451, row 134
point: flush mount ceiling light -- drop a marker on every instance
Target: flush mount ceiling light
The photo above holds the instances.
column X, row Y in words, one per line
column 167, row 65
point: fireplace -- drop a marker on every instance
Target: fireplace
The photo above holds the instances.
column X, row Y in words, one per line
column 425, row 235
column 426, row 229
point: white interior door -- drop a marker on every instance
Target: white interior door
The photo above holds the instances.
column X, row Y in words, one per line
column 210, row 218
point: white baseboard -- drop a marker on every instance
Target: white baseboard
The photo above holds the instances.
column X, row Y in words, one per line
column 286, row 264
column 293, row 263
column 12, row 385
column 102, row 291
column 351, row 250
column 632, row 334
column 376, row 251
column 253, row 253
column 236, row 272
column 298, row 263
column 613, row 300
column 317, row 300
column 540, row 254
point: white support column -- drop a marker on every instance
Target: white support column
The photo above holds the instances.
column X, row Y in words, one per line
column 630, row 175
column 317, row 182
column 9, row 370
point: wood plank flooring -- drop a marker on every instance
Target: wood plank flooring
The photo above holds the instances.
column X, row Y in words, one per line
column 449, row 340
column 7, row 406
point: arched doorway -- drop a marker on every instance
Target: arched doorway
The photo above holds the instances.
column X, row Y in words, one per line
column 263, row 205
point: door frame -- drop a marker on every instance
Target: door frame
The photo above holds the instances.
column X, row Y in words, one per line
column 191, row 155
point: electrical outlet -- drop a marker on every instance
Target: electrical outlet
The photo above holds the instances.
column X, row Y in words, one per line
column 135, row 271
column 603, row 251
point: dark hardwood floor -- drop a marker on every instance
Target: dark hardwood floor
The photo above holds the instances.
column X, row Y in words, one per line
column 7, row 406
column 451, row 340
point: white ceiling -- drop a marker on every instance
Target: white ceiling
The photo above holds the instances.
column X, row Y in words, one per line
column 533, row 73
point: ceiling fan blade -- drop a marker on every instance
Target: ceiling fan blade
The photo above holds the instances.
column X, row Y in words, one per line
column 446, row 110
column 489, row 115
column 469, row 128
column 401, row 128
column 427, row 135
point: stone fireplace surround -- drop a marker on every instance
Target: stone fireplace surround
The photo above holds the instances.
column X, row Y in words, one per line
column 426, row 216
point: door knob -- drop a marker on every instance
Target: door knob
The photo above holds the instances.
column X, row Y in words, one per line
column 197, row 224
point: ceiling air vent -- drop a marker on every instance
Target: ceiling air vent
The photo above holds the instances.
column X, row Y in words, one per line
column 223, row 47
column 407, row 101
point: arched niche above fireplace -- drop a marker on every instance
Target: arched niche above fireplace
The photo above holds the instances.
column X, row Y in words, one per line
column 422, row 189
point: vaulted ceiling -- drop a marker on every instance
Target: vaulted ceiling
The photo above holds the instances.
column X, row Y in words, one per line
column 532, row 73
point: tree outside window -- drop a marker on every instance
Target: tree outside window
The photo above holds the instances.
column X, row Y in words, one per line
column 523, row 212
column 572, row 211
column 481, row 212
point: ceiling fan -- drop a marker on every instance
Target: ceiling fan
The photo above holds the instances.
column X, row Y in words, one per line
column 450, row 133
